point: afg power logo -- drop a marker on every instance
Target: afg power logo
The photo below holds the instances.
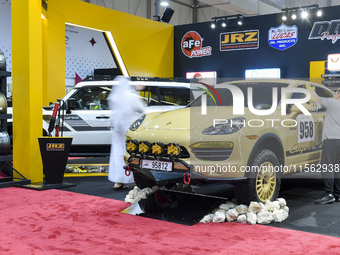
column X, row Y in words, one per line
column 283, row 37
column 191, row 45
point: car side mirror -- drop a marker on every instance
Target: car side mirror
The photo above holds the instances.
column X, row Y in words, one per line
column 295, row 109
column 70, row 105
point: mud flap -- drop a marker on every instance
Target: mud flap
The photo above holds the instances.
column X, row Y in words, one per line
column 188, row 209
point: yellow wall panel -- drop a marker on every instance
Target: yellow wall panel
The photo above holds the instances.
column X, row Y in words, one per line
column 316, row 69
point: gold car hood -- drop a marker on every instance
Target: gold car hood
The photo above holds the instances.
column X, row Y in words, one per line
column 187, row 118
column 174, row 120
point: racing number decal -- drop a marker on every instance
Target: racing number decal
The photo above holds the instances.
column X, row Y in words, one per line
column 306, row 128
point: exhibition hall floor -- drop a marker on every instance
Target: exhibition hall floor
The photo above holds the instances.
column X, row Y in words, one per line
column 300, row 193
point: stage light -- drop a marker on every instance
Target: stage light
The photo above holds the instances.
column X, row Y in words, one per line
column 304, row 14
column 294, row 15
column 240, row 20
column 319, row 13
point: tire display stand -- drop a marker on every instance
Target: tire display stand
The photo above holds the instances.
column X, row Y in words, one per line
column 54, row 154
column 6, row 169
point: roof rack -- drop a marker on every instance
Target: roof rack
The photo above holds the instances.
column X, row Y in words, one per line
column 135, row 78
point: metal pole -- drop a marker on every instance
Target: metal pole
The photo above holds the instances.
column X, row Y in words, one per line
column 157, row 16
column 148, row 9
column 194, row 11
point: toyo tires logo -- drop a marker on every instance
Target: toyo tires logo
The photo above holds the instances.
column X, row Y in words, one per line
column 191, row 45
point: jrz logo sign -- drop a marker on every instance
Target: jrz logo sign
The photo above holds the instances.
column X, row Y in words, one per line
column 240, row 40
column 283, row 37
column 55, row 147
column 329, row 30
column 191, row 45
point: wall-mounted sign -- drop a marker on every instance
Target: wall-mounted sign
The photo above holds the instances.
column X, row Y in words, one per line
column 329, row 30
column 191, row 45
column 283, row 37
column 240, row 40
column 273, row 73
column 333, row 62
column 205, row 77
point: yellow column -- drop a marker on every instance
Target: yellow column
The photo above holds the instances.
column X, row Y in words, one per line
column 27, row 87
column 316, row 69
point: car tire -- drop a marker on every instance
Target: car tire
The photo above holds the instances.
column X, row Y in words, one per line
column 260, row 185
column 154, row 202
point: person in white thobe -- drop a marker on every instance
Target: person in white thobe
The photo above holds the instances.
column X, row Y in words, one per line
column 127, row 107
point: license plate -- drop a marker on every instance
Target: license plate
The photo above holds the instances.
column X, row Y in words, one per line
column 156, row 165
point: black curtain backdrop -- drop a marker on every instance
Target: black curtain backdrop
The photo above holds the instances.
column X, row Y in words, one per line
column 294, row 62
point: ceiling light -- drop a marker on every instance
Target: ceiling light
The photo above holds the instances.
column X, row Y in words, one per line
column 304, row 14
column 164, row 3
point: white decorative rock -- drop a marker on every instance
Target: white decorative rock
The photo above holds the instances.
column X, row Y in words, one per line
column 231, row 215
column 206, row 219
column 251, row 218
column 224, row 207
column 219, row 216
column 286, row 208
column 264, row 217
column 241, row 209
column 254, row 207
column 279, row 215
column 271, row 206
column 242, row 218
column 282, row 202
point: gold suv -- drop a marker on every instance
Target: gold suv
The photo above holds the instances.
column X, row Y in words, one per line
column 248, row 133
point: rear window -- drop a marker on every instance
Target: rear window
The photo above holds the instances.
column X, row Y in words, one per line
column 174, row 96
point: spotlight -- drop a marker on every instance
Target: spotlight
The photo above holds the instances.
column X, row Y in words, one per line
column 304, row 14
column 144, row 148
column 213, row 24
column 131, row 146
column 164, row 3
column 173, row 150
column 240, row 20
column 319, row 13
column 224, row 24
column 284, row 17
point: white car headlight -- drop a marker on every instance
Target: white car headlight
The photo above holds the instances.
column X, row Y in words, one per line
column 229, row 126
column 137, row 123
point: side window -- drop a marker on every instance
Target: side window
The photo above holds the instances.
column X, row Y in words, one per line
column 92, row 98
column 321, row 92
column 297, row 95
column 174, row 96
column 149, row 95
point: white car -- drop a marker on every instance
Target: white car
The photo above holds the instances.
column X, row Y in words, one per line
column 89, row 120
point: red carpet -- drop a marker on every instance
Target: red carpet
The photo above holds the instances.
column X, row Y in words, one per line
column 61, row 222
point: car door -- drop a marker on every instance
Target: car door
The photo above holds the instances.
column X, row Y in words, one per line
column 304, row 141
column 90, row 121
